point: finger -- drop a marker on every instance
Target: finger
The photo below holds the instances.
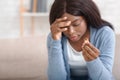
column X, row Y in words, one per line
column 60, row 19
column 62, row 30
column 93, row 47
column 85, row 42
column 91, row 52
column 63, row 24
column 88, row 55
column 84, row 54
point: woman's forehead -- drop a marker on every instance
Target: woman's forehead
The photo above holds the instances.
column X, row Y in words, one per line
column 72, row 17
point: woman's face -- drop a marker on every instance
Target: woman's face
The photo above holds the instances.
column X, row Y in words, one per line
column 77, row 28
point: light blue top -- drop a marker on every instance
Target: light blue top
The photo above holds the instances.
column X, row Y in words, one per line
column 98, row 69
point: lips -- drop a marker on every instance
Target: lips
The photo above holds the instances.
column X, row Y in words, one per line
column 73, row 38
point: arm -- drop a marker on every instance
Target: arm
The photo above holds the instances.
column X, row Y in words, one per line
column 101, row 67
column 56, row 67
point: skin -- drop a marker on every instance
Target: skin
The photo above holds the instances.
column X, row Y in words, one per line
column 76, row 30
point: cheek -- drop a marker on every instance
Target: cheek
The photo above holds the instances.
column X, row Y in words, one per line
column 82, row 30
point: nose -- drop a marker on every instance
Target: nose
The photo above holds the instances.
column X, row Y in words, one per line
column 71, row 30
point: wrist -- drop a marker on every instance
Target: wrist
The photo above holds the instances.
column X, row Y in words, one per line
column 55, row 37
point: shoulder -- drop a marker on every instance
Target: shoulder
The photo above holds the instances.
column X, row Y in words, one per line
column 106, row 33
column 103, row 32
column 102, row 36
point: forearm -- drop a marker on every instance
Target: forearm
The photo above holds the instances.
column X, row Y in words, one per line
column 98, row 71
column 56, row 68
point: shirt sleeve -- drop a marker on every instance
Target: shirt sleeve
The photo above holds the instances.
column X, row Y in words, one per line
column 56, row 67
column 101, row 68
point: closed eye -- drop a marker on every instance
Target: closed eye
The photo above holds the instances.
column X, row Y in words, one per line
column 76, row 24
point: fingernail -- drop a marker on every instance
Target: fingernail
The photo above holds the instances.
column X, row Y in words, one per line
column 65, row 17
column 65, row 28
column 86, row 40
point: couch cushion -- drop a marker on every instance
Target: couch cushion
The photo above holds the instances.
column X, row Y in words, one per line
column 22, row 57
column 116, row 66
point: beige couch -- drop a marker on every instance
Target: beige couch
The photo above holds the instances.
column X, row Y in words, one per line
column 23, row 58
column 116, row 66
column 26, row 58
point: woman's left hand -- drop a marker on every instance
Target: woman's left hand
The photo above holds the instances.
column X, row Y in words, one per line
column 90, row 52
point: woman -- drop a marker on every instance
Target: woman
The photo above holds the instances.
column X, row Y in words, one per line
column 81, row 44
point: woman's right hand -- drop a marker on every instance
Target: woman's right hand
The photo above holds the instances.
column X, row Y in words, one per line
column 60, row 25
